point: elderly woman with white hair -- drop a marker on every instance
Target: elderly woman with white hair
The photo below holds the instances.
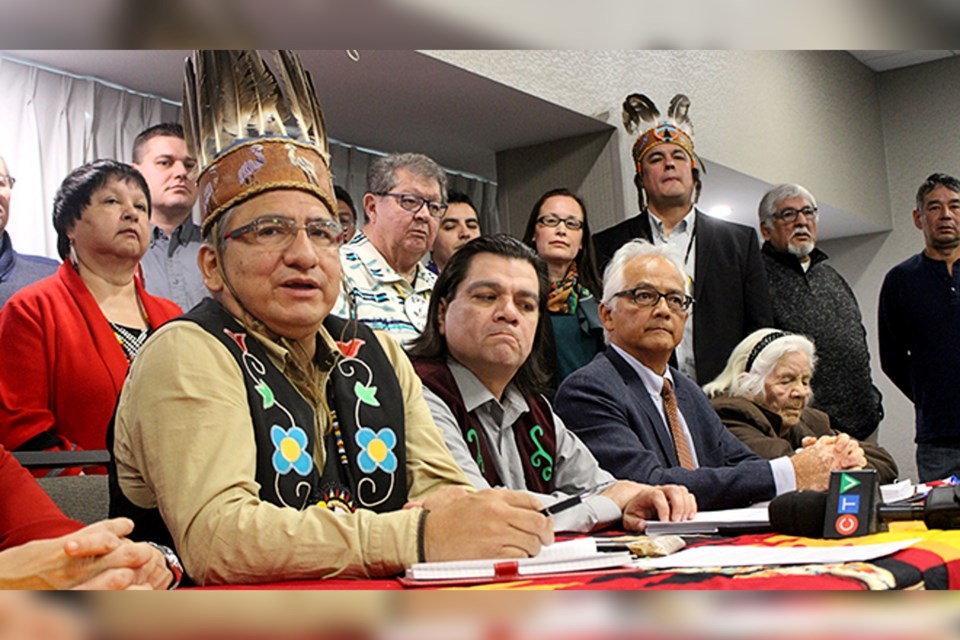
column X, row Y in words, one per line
column 762, row 397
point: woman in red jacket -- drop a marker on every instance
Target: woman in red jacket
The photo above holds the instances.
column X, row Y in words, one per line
column 68, row 340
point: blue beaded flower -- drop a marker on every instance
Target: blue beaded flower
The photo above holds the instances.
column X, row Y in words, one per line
column 291, row 450
column 376, row 449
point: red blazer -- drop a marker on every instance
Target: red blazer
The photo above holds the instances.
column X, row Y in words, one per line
column 62, row 365
column 26, row 511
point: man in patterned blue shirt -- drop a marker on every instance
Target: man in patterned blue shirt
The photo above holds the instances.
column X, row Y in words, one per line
column 384, row 283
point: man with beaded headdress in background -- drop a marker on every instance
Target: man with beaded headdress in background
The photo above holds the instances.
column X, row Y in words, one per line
column 267, row 439
column 722, row 258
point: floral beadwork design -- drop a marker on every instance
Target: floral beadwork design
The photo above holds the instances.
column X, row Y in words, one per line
column 376, row 449
column 350, row 349
column 290, row 450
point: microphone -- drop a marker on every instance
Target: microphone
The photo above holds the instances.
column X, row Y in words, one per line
column 804, row 513
column 799, row 513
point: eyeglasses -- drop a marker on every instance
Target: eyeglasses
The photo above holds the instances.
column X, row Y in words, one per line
column 551, row 220
column 789, row 214
column 412, row 203
column 277, row 232
column 7, row 181
column 645, row 296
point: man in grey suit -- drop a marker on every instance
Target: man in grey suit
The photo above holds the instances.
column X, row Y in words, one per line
column 645, row 421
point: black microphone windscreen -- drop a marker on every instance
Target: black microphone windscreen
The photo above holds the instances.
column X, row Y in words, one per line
column 799, row 513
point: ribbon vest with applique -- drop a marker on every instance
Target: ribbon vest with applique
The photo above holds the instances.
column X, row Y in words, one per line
column 534, row 431
column 365, row 449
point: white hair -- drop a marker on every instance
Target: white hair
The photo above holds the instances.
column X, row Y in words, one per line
column 736, row 381
column 776, row 195
column 614, row 279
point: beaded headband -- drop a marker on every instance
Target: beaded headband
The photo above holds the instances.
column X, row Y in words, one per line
column 640, row 114
column 760, row 346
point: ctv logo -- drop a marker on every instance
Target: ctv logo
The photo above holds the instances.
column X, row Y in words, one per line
column 848, row 507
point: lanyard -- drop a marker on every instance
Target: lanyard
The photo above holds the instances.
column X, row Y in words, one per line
column 693, row 236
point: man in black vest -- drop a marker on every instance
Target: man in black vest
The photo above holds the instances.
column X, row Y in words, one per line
column 267, row 439
column 481, row 362
column 722, row 258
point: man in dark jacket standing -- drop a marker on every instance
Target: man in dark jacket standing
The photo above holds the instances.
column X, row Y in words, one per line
column 809, row 297
column 723, row 258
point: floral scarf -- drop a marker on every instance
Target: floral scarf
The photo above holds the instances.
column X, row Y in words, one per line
column 565, row 294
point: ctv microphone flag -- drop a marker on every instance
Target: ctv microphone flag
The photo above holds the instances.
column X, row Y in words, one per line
column 851, row 504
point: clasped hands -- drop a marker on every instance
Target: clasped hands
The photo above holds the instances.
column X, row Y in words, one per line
column 817, row 457
column 96, row 557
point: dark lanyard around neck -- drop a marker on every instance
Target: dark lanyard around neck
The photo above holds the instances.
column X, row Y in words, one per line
column 693, row 236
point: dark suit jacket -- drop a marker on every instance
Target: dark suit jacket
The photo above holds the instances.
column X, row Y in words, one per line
column 730, row 284
column 606, row 404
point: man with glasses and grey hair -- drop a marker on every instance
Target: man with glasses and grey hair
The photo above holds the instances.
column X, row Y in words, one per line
column 811, row 298
column 647, row 422
column 16, row 269
column 385, row 286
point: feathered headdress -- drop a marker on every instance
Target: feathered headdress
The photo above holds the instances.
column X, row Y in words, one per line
column 640, row 114
column 252, row 134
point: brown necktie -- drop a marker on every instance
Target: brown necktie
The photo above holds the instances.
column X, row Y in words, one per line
column 673, row 419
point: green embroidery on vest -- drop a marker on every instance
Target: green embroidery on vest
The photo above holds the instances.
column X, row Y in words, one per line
column 535, row 459
column 473, row 437
column 366, row 393
column 266, row 392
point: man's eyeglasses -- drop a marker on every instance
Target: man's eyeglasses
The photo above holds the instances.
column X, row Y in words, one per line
column 789, row 214
column 645, row 296
column 412, row 203
column 7, row 181
column 551, row 220
column 278, row 232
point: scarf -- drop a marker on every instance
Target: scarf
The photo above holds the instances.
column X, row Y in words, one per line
column 565, row 295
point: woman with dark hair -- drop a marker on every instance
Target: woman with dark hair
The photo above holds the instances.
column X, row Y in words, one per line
column 559, row 232
column 68, row 340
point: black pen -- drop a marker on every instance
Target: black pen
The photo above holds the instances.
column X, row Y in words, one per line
column 572, row 501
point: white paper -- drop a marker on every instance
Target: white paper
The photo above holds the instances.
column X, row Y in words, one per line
column 708, row 521
column 746, row 555
column 897, row 491
column 578, row 554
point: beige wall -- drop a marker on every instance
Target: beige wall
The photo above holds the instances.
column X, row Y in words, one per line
column 919, row 120
column 798, row 116
column 859, row 140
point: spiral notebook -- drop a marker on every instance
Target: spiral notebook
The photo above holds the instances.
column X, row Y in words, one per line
column 569, row 556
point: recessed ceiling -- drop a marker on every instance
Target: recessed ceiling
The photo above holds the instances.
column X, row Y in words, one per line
column 890, row 59
column 387, row 101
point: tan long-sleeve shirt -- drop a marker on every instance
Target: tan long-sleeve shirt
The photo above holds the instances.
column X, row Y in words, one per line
column 185, row 443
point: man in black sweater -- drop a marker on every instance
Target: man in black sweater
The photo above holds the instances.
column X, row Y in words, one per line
column 809, row 297
column 919, row 321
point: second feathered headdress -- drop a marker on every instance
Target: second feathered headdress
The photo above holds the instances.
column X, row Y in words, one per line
column 250, row 133
column 641, row 115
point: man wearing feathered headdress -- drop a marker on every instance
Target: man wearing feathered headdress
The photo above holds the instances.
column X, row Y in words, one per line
column 266, row 438
column 729, row 284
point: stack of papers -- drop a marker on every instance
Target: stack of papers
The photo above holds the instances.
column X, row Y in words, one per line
column 580, row 554
column 897, row 491
column 727, row 521
column 745, row 555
